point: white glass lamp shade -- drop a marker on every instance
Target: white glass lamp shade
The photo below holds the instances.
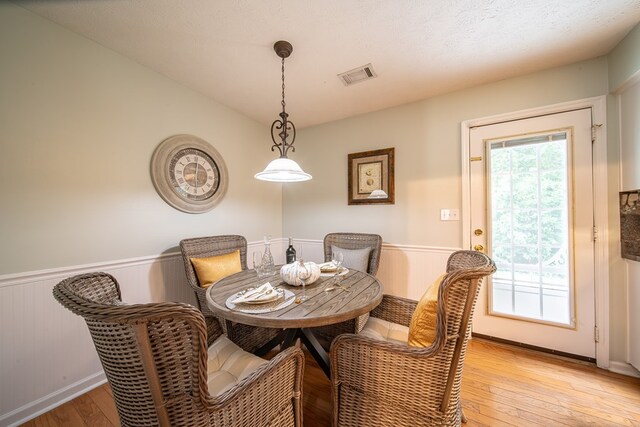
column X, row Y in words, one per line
column 283, row 170
column 378, row 194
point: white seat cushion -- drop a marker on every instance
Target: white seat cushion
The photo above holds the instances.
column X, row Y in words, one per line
column 228, row 364
column 386, row 331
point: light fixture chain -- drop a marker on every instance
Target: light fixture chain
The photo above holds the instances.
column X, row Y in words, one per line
column 283, row 103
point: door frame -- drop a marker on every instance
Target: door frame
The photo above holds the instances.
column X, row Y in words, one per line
column 598, row 107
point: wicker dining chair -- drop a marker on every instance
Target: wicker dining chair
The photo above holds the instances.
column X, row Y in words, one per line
column 326, row 334
column 249, row 338
column 156, row 360
column 378, row 382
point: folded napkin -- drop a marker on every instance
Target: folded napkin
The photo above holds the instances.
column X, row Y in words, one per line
column 265, row 292
column 328, row 267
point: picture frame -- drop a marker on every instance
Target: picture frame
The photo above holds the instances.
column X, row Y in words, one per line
column 371, row 177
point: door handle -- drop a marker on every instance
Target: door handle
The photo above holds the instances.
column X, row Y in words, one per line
column 478, row 248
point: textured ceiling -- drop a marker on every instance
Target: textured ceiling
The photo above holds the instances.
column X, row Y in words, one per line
column 418, row 48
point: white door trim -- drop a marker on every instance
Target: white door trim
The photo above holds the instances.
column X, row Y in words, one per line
column 598, row 107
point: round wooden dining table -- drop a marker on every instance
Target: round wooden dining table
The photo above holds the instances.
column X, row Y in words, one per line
column 331, row 299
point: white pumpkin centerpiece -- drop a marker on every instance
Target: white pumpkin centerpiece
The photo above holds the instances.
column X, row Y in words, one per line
column 297, row 272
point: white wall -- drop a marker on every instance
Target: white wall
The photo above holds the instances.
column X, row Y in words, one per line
column 624, row 81
column 426, row 136
column 78, row 126
column 630, row 180
column 624, row 60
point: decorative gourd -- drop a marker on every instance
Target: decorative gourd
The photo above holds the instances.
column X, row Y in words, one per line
column 294, row 273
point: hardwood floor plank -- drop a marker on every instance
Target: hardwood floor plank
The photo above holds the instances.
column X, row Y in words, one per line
column 543, row 406
column 103, row 399
column 501, row 386
column 88, row 410
column 44, row 420
column 566, row 394
column 316, row 395
column 477, row 419
column 594, row 407
column 67, row 415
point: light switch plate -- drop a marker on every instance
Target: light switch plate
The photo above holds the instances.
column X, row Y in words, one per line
column 449, row 214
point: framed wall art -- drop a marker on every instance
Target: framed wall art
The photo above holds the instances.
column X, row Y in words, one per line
column 371, row 177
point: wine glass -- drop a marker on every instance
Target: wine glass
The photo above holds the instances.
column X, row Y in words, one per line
column 257, row 263
column 304, row 296
column 302, row 278
column 337, row 259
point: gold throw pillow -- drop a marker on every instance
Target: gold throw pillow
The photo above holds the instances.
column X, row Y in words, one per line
column 211, row 269
column 422, row 329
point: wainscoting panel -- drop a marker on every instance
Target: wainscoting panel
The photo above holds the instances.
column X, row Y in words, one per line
column 405, row 270
column 47, row 356
column 47, row 353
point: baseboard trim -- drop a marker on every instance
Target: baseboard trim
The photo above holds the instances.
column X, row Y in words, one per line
column 623, row 368
column 535, row 348
column 52, row 400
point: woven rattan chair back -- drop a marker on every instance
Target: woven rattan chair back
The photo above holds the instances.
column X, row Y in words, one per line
column 356, row 241
column 250, row 338
column 155, row 359
column 124, row 336
column 202, row 247
column 456, row 303
column 423, row 383
column 326, row 334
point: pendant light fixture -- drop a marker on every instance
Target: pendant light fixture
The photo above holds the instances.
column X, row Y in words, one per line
column 283, row 169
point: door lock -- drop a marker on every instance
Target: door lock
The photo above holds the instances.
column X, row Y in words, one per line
column 477, row 232
column 478, row 248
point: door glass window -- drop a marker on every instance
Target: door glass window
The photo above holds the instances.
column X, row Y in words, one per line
column 530, row 230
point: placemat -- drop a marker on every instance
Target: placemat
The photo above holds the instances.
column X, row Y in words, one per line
column 286, row 300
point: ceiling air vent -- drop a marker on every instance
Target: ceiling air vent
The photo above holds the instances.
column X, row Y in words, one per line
column 357, row 75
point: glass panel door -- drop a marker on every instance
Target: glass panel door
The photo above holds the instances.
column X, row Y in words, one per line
column 531, row 210
column 529, row 226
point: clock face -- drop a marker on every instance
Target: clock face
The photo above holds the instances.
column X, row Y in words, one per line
column 193, row 174
column 188, row 173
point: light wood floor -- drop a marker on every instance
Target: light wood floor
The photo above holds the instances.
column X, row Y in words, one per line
column 502, row 386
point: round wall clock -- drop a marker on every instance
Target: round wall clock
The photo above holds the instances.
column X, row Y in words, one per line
column 188, row 173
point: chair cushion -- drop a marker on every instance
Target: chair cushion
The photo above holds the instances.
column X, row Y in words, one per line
column 228, row 364
column 355, row 259
column 384, row 330
column 422, row 329
column 211, row 269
